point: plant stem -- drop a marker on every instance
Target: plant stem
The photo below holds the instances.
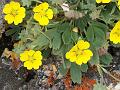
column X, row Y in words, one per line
column 108, row 73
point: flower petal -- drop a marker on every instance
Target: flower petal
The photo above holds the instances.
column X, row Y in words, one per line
column 36, row 64
column 28, row 64
column 36, row 9
column 44, row 6
column 83, row 44
column 21, row 12
column 37, row 16
column 37, row 55
column 14, row 5
column 49, row 13
column 43, row 21
column 98, row 1
column 31, row 52
column 9, row 18
column 24, row 56
column 106, row 1
column 7, row 9
column 17, row 20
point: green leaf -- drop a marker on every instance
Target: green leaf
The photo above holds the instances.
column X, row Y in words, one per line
column 67, row 36
column 90, row 34
column 63, row 49
column 57, row 1
column 75, row 73
column 81, row 23
column 100, row 25
column 106, row 59
column 99, row 34
column 26, row 2
column 84, row 67
column 99, row 86
column 96, row 36
column 56, row 42
column 10, row 32
column 95, row 59
column 74, row 36
column 63, row 27
column 63, row 70
column 40, row 43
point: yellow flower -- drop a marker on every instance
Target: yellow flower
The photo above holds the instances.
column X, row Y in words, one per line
column 115, row 33
column 80, row 53
column 31, row 59
column 103, row 1
column 118, row 4
column 43, row 13
column 14, row 13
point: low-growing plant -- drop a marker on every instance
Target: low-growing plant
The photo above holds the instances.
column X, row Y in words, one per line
column 78, row 31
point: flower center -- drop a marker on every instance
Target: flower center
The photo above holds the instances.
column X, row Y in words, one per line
column 14, row 12
column 79, row 52
column 31, row 59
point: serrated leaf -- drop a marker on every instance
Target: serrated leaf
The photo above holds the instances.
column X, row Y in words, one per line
column 90, row 34
column 55, row 37
column 81, row 23
column 26, row 2
column 41, row 42
column 66, row 37
column 75, row 73
column 56, row 43
column 96, row 36
column 106, row 59
column 84, row 67
column 74, row 36
column 100, row 25
column 10, row 32
column 95, row 58
column 63, row 70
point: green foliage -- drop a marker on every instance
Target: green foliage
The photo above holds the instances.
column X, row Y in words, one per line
column 84, row 67
column 64, row 68
column 58, row 37
column 95, row 59
column 28, row 2
column 106, row 59
column 99, row 86
column 96, row 34
column 75, row 73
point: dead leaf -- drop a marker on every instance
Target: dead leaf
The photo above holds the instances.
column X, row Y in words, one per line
column 65, row 7
column 102, row 51
column 6, row 53
column 54, row 68
column 67, row 81
column 87, row 84
column 72, row 14
column 51, row 79
column 15, row 62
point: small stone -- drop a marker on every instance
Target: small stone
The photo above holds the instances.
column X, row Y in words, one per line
column 47, row 73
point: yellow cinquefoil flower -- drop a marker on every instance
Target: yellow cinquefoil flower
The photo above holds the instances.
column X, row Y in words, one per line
column 118, row 4
column 43, row 13
column 31, row 59
column 14, row 13
column 80, row 53
column 115, row 33
column 103, row 1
